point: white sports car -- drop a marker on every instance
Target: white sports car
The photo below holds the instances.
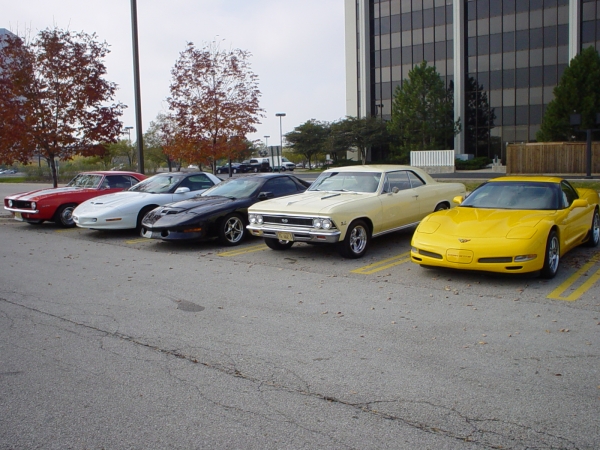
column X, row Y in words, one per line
column 126, row 209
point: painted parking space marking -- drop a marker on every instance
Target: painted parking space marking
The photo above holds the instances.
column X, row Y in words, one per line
column 557, row 294
column 242, row 251
column 383, row 264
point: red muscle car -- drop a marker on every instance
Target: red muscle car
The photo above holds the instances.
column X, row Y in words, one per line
column 57, row 204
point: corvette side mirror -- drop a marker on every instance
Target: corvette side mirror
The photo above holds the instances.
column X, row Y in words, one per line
column 265, row 195
column 579, row 203
column 458, row 199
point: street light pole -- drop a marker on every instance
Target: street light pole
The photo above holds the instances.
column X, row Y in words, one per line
column 280, row 115
column 267, row 142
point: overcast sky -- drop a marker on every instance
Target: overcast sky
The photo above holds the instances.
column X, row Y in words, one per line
column 297, row 48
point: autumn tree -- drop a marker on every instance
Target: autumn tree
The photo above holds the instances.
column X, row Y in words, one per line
column 215, row 101
column 308, row 139
column 578, row 91
column 63, row 98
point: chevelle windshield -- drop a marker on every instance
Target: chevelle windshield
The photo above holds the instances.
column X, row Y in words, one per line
column 510, row 195
column 85, row 181
column 347, row 182
column 234, row 187
column 157, row 184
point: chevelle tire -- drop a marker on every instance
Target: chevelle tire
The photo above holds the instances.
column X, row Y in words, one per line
column 232, row 230
column 357, row 240
column 277, row 244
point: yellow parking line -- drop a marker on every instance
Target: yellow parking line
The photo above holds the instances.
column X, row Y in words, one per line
column 254, row 248
column 137, row 241
column 383, row 264
column 591, row 280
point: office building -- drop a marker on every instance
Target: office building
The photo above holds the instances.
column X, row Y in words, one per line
column 502, row 58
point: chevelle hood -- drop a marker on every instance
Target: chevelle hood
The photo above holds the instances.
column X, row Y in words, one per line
column 50, row 192
column 312, row 202
column 482, row 223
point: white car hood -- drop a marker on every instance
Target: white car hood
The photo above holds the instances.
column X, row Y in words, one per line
column 119, row 199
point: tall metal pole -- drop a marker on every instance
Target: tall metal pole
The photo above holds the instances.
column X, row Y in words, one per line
column 136, row 82
column 280, row 115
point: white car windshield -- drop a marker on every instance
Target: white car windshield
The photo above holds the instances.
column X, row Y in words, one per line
column 157, row 184
column 85, row 181
column 347, row 182
column 512, row 195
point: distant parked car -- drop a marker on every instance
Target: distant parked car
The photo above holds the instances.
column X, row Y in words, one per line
column 235, row 168
column 347, row 206
column 221, row 211
column 125, row 210
column 57, row 204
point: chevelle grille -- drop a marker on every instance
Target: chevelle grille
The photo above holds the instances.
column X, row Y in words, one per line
column 284, row 220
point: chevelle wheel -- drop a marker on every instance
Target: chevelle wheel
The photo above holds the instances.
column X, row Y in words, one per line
column 232, row 230
column 552, row 258
column 357, row 240
column 64, row 216
column 277, row 244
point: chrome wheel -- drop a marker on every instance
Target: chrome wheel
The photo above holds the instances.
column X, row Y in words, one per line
column 552, row 257
column 64, row 216
column 356, row 241
column 232, row 230
column 594, row 234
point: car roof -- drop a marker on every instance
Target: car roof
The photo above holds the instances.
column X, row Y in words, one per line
column 370, row 168
column 265, row 175
column 110, row 172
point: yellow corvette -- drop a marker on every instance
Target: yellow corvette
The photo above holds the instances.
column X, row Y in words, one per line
column 510, row 225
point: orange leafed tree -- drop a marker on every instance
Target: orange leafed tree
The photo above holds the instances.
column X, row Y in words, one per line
column 215, row 101
column 63, row 98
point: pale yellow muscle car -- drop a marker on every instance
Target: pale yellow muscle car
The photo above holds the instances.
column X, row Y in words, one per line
column 347, row 206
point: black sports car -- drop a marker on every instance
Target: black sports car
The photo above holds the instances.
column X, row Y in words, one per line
column 221, row 211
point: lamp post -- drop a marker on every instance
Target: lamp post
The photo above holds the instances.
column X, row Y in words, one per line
column 267, row 142
column 575, row 121
column 128, row 131
column 280, row 115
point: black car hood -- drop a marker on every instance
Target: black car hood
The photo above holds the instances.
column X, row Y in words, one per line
column 199, row 203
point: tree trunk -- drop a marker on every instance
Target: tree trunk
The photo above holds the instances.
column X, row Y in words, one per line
column 53, row 170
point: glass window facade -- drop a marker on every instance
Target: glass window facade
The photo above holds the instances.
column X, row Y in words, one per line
column 514, row 54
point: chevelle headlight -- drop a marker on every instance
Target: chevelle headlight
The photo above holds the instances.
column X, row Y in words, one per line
column 325, row 224
column 255, row 219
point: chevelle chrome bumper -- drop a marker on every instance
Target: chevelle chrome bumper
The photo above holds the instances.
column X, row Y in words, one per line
column 296, row 234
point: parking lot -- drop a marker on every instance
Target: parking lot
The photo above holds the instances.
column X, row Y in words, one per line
column 204, row 346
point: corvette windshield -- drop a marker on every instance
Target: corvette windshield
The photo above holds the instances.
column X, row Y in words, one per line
column 157, row 184
column 513, row 195
column 347, row 182
column 234, row 187
column 85, row 181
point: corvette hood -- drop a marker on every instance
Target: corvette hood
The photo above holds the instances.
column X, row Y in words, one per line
column 483, row 223
column 312, row 202
column 198, row 205
column 43, row 193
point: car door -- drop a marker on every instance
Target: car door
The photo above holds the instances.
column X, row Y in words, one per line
column 577, row 221
column 399, row 201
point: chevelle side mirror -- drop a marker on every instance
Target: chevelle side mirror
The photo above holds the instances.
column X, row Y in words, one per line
column 458, row 199
column 579, row 203
column 265, row 195
column 395, row 190
column 182, row 190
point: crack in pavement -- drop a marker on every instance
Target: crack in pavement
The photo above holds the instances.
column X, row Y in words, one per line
column 478, row 435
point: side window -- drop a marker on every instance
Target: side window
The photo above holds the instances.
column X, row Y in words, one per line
column 118, row 182
column 568, row 193
column 415, row 181
column 197, row 182
column 280, row 186
column 396, row 180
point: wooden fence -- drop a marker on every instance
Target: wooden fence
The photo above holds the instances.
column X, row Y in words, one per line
column 560, row 158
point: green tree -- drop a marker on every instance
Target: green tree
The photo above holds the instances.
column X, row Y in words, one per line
column 358, row 133
column 578, row 91
column 423, row 112
column 308, row 139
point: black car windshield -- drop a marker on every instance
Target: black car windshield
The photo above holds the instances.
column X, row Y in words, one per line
column 235, row 187
column 85, row 181
column 515, row 195
column 157, row 184
column 347, row 182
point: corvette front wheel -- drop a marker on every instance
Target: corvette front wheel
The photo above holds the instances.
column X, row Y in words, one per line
column 594, row 233
column 552, row 256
